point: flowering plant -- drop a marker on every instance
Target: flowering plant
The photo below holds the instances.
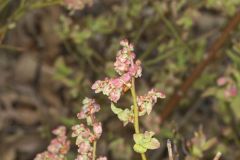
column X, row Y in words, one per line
column 87, row 135
column 86, row 139
column 129, row 69
column 58, row 147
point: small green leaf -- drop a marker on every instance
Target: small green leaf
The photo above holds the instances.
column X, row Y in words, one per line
column 115, row 109
column 211, row 91
column 153, row 144
column 124, row 115
column 139, row 149
column 197, row 152
column 138, row 137
column 62, row 70
column 148, row 107
column 148, row 134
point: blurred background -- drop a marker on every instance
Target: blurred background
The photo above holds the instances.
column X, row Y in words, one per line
column 50, row 56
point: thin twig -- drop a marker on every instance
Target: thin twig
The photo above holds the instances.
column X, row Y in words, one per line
column 197, row 71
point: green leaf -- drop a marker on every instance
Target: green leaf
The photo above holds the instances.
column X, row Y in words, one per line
column 139, row 149
column 61, row 69
column 153, row 144
column 124, row 115
column 138, row 137
column 148, row 135
column 81, row 36
column 148, row 107
column 211, row 91
column 146, row 140
column 185, row 21
column 115, row 109
column 197, row 152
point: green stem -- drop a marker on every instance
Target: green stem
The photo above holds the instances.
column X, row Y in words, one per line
column 135, row 107
column 135, row 110
column 94, row 150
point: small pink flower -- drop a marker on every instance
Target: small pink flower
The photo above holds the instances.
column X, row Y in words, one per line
column 60, row 131
column 55, row 146
column 109, row 87
column 117, row 82
column 97, row 129
column 80, row 157
column 125, row 58
column 89, row 107
column 147, row 101
column 80, row 130
column 231, row 91
column 97, row 86
column 58, row 147
column 115, row 95
column 126, row 78
column 136, row 69
column 122, row 63
column 84, row 147
column 126, row 68
column 222, row 81
column 48, row 156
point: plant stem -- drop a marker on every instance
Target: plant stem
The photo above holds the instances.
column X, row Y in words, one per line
column 143, row 156
column 94, row 150
column 135, row 110
column 135, row 107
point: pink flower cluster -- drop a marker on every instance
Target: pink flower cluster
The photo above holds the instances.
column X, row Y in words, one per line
column 146, row 102
column 86, row 137
column 58, row 147
column 77, row 4
column 230, row 87
column 90, row 107
column 126, row 67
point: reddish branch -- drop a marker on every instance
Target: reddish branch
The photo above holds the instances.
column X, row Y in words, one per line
column 197, row 71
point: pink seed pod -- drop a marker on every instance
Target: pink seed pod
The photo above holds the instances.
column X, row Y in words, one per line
column 222, row 81
column 231, row 91
column 97, row 129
